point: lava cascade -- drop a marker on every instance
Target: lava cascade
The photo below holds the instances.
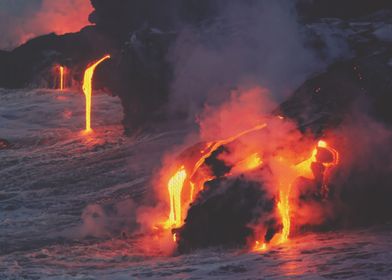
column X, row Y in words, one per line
column 176, row 182
column 287, row 168
column 61, row 75
column 87, row 89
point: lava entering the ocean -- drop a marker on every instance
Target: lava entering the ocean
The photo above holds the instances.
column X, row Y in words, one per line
column 189, row 179
column 87, row 89
column 290, row 174
column 61, row 74
column 176, row 182
column 175, row 186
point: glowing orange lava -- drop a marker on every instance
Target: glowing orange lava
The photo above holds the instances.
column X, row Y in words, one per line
column 284, row 210
column 259, row 246
column 87, row 89
column 303, row 169
column 61, row 70
column 251, row 162
column 175, row 186
column 216, row 145
column 286, row 168
column 328, row 165
column 176, row 182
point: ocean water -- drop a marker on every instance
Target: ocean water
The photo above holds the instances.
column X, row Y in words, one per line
column 53, row 173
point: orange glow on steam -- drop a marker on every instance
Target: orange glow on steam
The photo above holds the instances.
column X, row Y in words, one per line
column 176, row 182
column 285, row 167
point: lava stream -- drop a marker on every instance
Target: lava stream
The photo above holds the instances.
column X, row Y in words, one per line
column 285, row 168
column 284, row 210
column 61, row 70
column 217, row 144
column 303, row 169
column 176, row 182
column 175, row 186
column 87, row 89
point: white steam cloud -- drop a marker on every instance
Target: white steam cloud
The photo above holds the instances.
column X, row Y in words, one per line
column 259, row 43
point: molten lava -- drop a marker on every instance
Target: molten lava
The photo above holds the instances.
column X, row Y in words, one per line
column 303, row 169
column 251, row 162
column 286, row 169
column 87, row 89
column 286, row 180
column 176, row 182
column 61, row 73
column 284, row 211
column 260, row 246
column 216, row 145
column 175, row 185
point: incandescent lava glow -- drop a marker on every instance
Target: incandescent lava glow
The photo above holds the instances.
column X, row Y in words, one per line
column 286, row 168
column 176, row 183
column 87, row 89
column 289, row 165
column 61, row 73
column 303, row 169
column 322, row 144
column 250, row 163
column 175, row 186
column 260, row 246
column 284, row 210
column 214, row 146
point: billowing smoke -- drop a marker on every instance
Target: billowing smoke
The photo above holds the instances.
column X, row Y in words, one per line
column 363, row 184
column 21, row 20
column 351, row 188
column 257, row 42
column 110, row 219
column 231, row 72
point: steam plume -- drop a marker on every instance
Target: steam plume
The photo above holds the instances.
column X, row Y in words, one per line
column 253, row 41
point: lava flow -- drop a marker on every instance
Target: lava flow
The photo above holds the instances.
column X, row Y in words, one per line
column 176, row 182
column 286, row 180
column 175, row 187
column 87, row 89
column 286, row 169
column 61, row 73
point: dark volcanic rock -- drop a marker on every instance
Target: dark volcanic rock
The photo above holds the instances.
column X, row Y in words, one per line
column 121, row 16
column 142, row 77
column 31, row 63
column 138, row 35
column 326, row 99
column 217, row 166
column 310, row 10
column 223, row 215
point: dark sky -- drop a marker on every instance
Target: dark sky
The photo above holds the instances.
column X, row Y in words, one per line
column 18, row 7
